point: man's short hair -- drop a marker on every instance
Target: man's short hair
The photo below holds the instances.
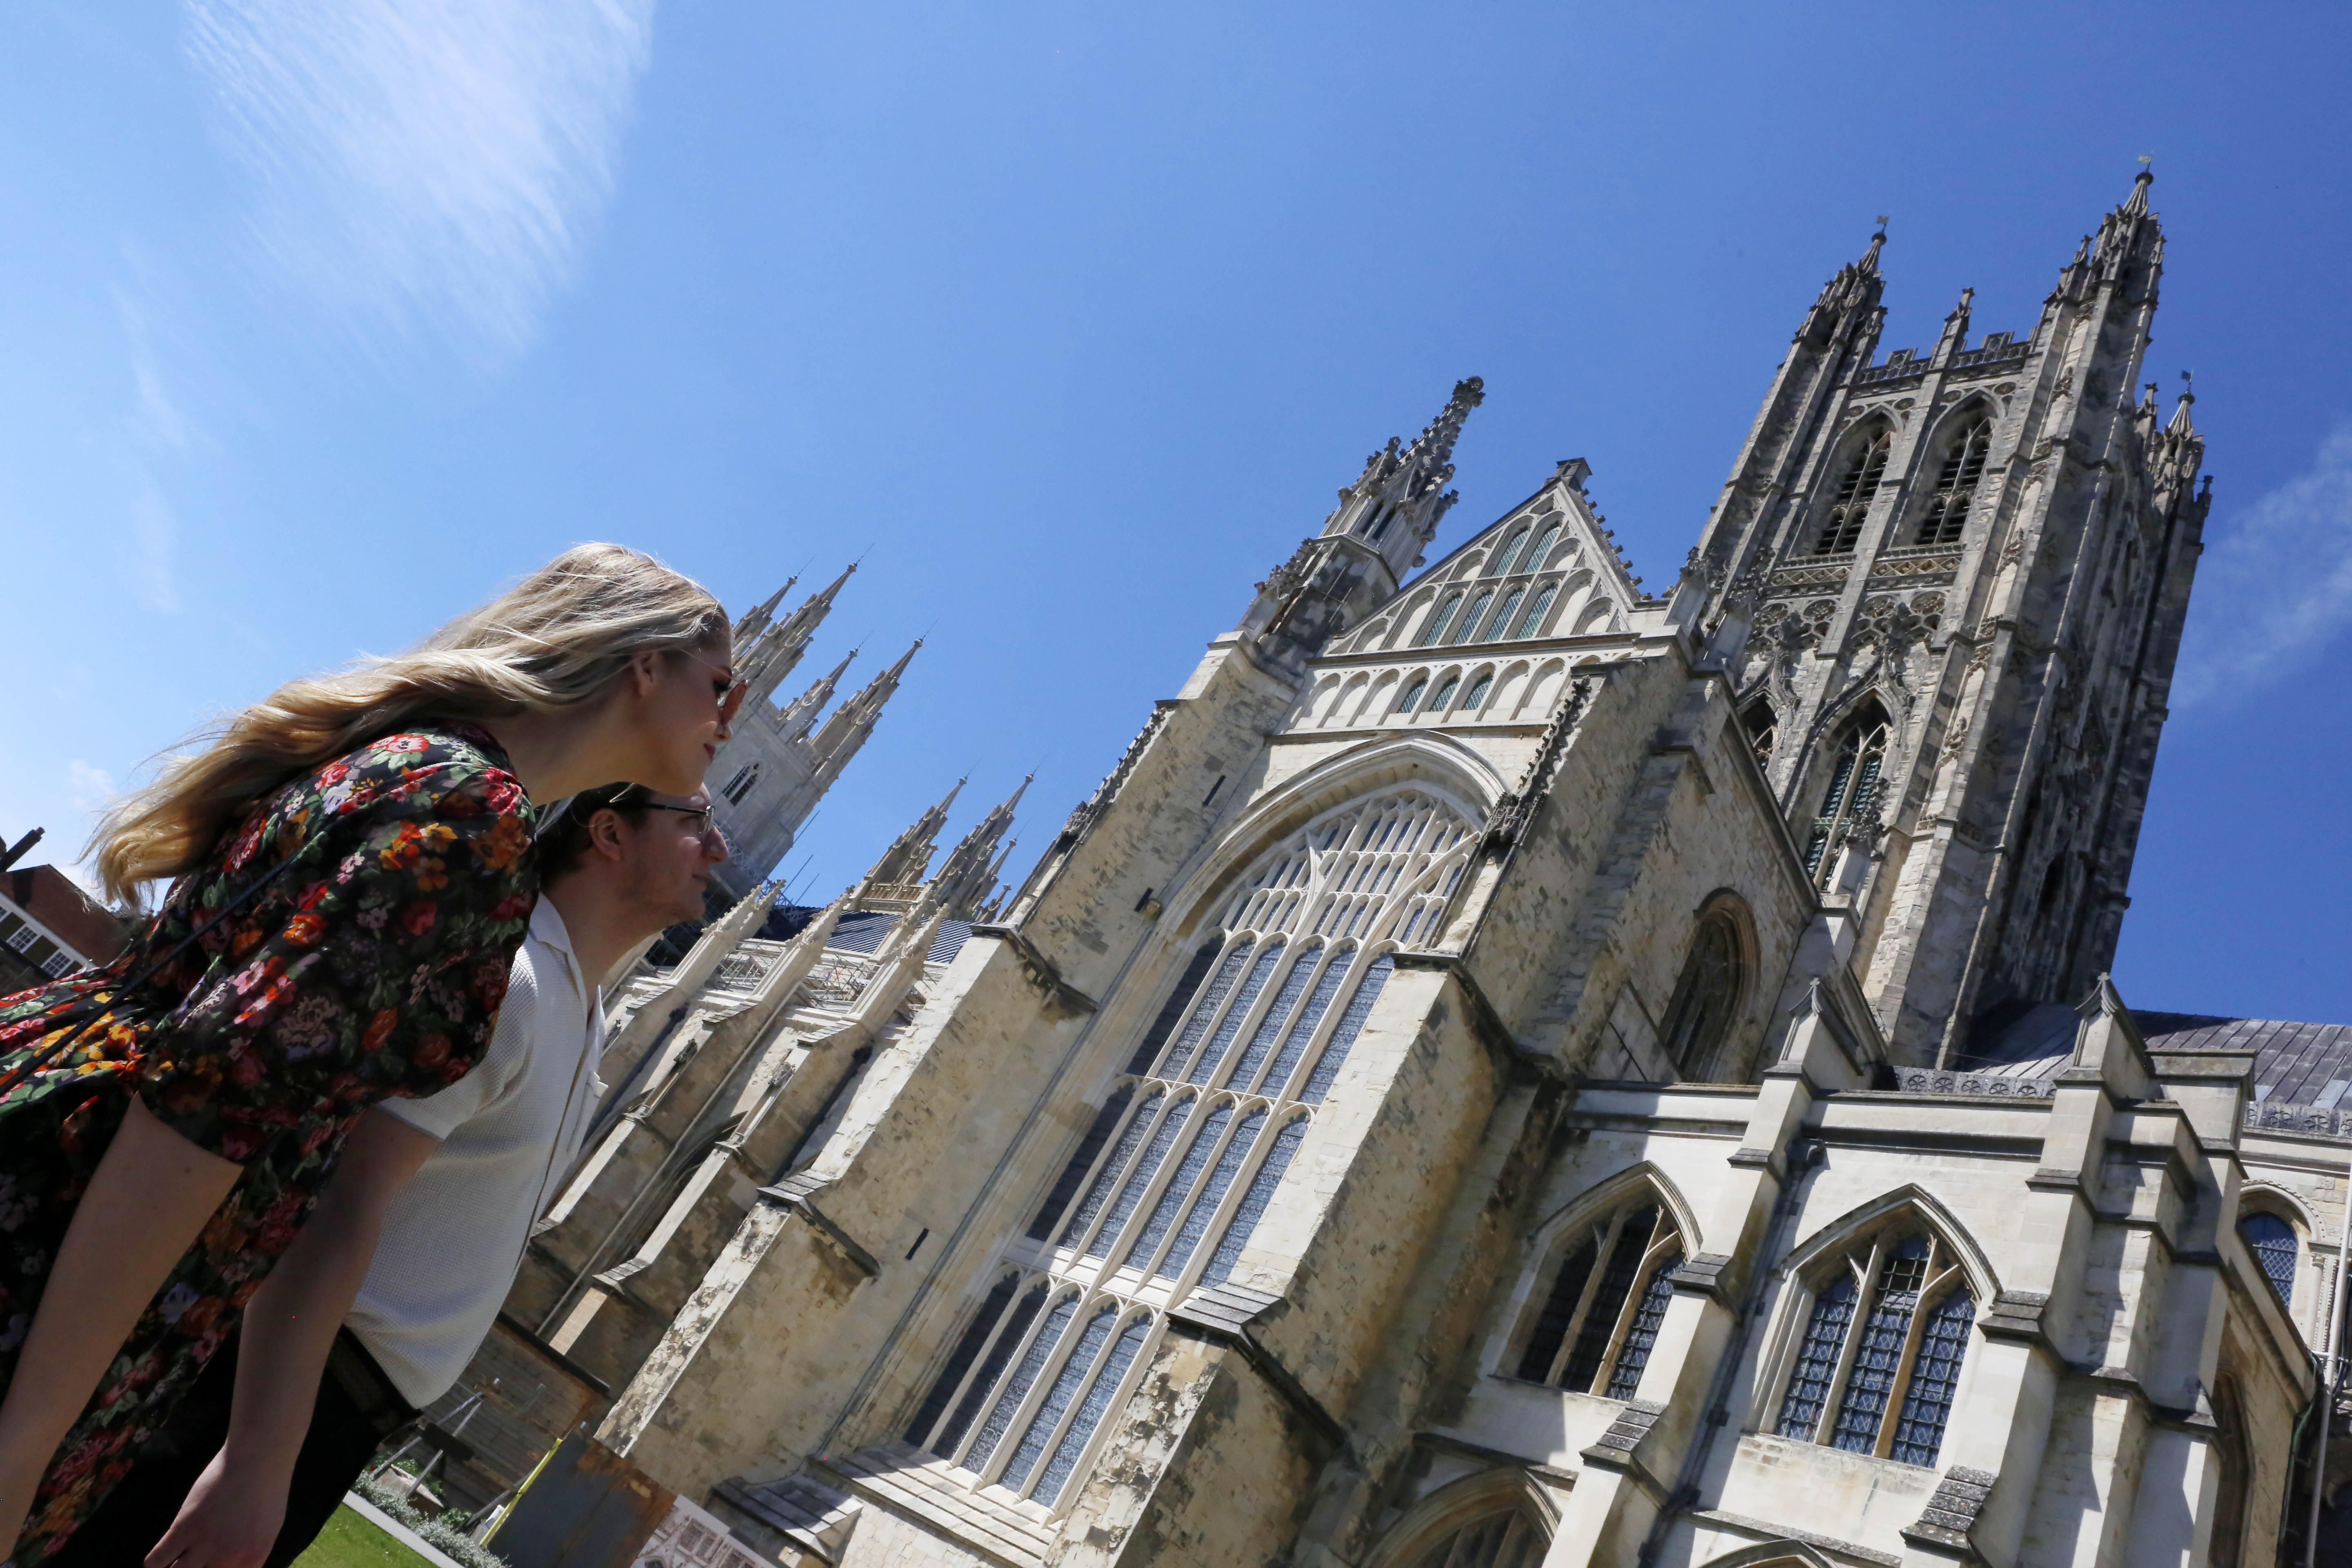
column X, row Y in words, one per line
column 563, row 846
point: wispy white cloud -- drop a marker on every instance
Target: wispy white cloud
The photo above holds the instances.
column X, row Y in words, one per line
column 427, row 162
column 155, row 540
column 89, row 789
column 2275, row 589
column 157, row 431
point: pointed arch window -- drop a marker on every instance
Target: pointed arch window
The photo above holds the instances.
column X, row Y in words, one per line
column 1947, row 517
column 1512, row 1539
column 1536, row 611
column 741, row 784
column 1413, row 693
column 1864, row 471
column 1437, row 620
column 1501, row 623
column 1446, row 691
column 2272, row 1240
column 1880, row 1362
column 1707, row 998
column 1477, row 693
column 1533, row 561
column 1174, row 1173
column 1500, row 566
column 1606, row 1300
column 1478, row 607
column 1852, row 798
column 1376, row 521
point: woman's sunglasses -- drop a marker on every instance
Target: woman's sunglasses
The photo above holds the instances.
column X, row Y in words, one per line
column 726, row 688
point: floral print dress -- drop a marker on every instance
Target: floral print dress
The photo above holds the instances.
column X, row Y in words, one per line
column 371, row 964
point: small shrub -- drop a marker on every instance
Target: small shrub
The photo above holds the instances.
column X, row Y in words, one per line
column 448, row 1532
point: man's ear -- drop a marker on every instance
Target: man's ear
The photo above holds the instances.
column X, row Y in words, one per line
column 605, row 835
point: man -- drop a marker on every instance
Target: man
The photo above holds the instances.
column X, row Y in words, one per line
column 418, row 1237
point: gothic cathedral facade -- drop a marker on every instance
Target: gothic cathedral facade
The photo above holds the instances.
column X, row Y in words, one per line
column 1509, row 1070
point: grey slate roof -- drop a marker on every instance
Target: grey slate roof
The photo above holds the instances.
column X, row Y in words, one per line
column 861, row 932
column 2296, row 1064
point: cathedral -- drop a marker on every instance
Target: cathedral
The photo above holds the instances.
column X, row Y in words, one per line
column 1507, row 1069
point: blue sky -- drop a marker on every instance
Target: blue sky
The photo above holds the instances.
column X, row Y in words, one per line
column 319, row 320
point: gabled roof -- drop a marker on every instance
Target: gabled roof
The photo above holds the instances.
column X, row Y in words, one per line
column 1564, row 495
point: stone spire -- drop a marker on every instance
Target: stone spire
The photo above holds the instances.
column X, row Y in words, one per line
column 777, row 648
column 1396, row 504
column 838, row 740
column 895, row 880
column 970, row 872
column 748, row 629
column 1368, row 543
column 801, row 712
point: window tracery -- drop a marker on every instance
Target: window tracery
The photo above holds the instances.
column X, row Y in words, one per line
column 1841, row 529
column 1852, row 798
column 1462, row 627
column 1438, row 618
column 1947, row 515
column 1171, row 1181
column 1536, row 612
column 1880, row 1360
column 1501, row 565
column 1501, row 620
column 1605, row 1302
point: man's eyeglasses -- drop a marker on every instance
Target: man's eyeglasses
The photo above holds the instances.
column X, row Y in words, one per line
column 705, row 821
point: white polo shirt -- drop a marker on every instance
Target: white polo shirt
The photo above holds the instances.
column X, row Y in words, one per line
column 509, row 1128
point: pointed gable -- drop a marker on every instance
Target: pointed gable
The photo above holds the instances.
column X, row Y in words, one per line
column 1546, row 568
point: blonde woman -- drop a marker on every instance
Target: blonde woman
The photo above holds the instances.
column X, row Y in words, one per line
column 353, row 878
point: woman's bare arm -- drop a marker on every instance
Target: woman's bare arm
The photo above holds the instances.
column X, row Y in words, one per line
column 233, row 1512
column 147, row 1201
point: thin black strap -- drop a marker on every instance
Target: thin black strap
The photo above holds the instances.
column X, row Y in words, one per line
column 17, row 1075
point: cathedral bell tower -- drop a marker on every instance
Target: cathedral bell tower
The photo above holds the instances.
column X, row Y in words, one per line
column 1949, row 590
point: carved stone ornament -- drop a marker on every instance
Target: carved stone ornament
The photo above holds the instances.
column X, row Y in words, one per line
column 1955, row 738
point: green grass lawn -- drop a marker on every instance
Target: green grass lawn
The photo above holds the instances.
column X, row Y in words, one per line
column 351, row 1542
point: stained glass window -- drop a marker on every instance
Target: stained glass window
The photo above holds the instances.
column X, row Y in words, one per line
column 1891, row 1376
column 1180, row 1186
column 1131, row 1191
column 1935, row 1372
column 1100, row 1391
column 1016, row 1388
column 2272, row 1241
column 1817, row 1359
column 1253, row 1203
column 1211, row 1194
column 1059, row 1397
column 1641, row 1333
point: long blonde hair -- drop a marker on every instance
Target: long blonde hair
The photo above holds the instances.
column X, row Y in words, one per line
column 556, row 639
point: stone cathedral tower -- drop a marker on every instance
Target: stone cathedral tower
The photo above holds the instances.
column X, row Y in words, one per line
column 769, row 777
column 1509, row 1070
column 1951, row 588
